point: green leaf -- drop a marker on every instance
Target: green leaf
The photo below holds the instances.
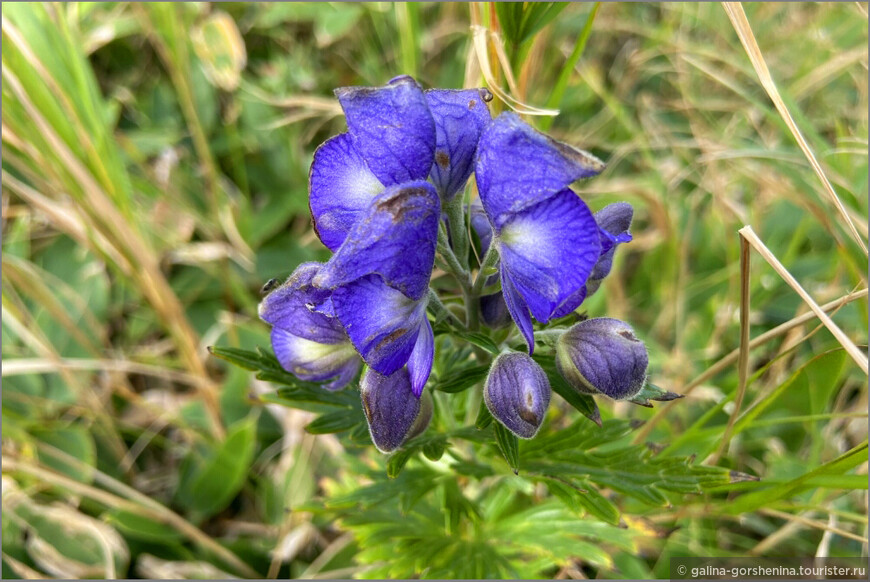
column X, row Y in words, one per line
column 509, row 445
column 583, row 403
column 582, row 498
column 652, row 392
column 484, row 417
column 398, row 460
column 139, row 527
column 831, row 472
column 333, row 422
column 243, row 358
column 434, row 449
column 76, row 442
column 222, row 476
column 459, row 380
column 478, row 339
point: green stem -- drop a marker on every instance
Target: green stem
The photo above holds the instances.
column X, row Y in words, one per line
column 441, row 313
column 453, row 265
column 458, row 228
column 472, row 305
column 489, row 262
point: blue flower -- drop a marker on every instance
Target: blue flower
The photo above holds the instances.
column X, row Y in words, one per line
column 603, row 356
column 394, row 413
column 370, row 204
column 546, row 236
column 308, row 344
column 517, row 393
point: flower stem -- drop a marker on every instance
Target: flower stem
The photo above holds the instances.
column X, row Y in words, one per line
column 453, row 265
column 472, row 304
column 490, row 260
column 458, row 228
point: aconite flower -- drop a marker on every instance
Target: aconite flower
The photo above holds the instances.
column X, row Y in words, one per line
column 517, row 393
column 603, row 356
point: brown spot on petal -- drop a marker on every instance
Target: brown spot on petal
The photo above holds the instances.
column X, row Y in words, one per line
column 442, row 159
column 529, row 416
column 395, row 204
column 391, row 337
column 628, row 335
column 472, row 104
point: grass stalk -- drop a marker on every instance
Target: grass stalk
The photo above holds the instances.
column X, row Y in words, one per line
column 747, row 39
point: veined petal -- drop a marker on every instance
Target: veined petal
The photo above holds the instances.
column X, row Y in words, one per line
column 571, row 303
column 395, row 239
column 480, row 224
column 315, row 362
column 391, row 408
column 518, row 167
column 613, row 220
column 291, row 307
column 518, row 309
column 382, row 323
column 420, row 362
column 392, row 129
column 549, row 251
column 340, row 188
column 460, row 117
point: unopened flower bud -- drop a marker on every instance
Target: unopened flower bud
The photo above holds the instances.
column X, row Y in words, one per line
column 603, row 356
column 517, row 393
column 393, row 412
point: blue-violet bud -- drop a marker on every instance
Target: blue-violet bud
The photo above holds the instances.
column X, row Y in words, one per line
column 393, row 412
column 517, row 393
column 603, row 356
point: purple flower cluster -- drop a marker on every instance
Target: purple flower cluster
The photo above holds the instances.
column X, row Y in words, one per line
column 378, row 194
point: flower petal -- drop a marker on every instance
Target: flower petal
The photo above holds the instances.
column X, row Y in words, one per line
column 340, row 188
column 382, row 323
column 460, row 117
column 420, row 362
column 518, row 309
column 518, row 167
column 549, row 251
column 315, row 362
column 613, row 220
column 392, row 129
column 291, row 307
column 395, row 239
column 390, row 406
column 517, row 393
column 571, row 303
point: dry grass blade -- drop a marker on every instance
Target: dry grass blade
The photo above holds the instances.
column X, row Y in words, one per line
column 481, row 36
column 813, row 523
column 135, row 502
column 732, row 357
column 20, row 366
column 747, row 38
column 848, row 345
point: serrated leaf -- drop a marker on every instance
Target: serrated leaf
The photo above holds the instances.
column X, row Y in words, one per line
column 243, row 358
column 509, row 445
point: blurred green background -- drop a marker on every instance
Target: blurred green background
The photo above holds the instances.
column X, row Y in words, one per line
column 155, row 161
